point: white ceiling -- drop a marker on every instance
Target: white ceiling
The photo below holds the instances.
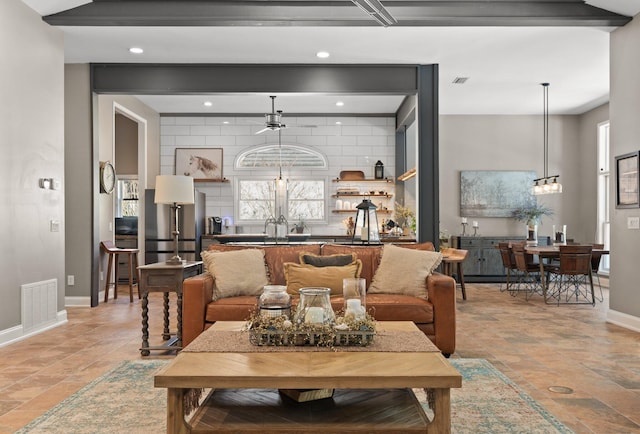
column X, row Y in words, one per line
column 505, row 65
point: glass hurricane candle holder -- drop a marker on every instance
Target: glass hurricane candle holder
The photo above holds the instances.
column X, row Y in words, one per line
column 314, row 306
column 354, row 294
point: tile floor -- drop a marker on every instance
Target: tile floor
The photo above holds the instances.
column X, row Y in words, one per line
column 535, row 345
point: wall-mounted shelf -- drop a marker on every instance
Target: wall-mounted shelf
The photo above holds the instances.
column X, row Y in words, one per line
column 387, row 195
column 353, row 211
column 211, row 180
column 389, row 180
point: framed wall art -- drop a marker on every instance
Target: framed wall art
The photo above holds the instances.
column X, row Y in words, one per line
column 203, row 164
column 495, row 193
column 627, row 180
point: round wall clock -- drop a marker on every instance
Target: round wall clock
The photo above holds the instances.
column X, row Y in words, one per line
column 107, row 177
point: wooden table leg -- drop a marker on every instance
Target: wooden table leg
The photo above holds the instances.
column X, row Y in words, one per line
column 166, row 334
column 175, row 412
column 145, row 323
column 543, row 279
column 179, row 320
column 441, row 423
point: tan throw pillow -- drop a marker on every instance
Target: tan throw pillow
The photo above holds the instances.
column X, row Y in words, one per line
column 304, row 276
column 404, row 271
column 240, row 272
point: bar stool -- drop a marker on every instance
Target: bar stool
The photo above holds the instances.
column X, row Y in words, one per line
column 455, row 257
column 132, row 258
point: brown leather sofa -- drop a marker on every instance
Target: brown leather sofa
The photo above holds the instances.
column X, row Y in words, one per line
column 436, row 317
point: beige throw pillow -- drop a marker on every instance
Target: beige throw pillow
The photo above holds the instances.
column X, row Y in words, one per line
column 240, row 272
column 404, row 271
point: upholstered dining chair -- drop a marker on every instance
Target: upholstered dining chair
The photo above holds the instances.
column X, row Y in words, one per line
column 572, row 279
column 529, row 279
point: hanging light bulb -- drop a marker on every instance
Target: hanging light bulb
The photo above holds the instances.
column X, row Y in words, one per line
column 554, row 186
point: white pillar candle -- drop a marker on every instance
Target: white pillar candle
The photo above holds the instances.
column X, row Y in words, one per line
column 364, row 234
column 464, row 220
column 354, row 304
column 314, row 315
column 475, row 224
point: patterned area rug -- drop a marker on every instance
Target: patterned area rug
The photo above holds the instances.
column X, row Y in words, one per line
column 124, row 400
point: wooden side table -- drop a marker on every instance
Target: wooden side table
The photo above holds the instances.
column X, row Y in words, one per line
column 165, row 278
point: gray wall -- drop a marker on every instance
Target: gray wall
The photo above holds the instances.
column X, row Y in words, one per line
column 78, row 173
column 504, row 142
column 32, row 143
column 625, row 137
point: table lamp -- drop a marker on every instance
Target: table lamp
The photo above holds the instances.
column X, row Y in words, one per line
column 174, row 190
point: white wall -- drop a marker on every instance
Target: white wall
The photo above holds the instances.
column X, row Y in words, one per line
column 356, row 144
column 32, row 144
column 624, row 108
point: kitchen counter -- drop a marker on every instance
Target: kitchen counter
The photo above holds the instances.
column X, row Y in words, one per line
column 292, row 239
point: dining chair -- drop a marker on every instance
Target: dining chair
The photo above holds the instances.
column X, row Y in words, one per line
column 595, row 266
column 509, row 264
column 572, row 279
column 529, row 279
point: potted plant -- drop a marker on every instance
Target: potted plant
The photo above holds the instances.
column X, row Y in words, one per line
column 299, row 227
column 531, row 215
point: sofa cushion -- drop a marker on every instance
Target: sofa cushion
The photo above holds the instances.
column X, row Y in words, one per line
column 277, row 256
column 231, row 309
column 302, row 276
column 369, row 255
column 326, row 261
column 394, row 307
column 241, row 272
column 404, row 271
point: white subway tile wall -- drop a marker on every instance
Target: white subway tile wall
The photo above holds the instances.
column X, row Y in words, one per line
column 356, row 143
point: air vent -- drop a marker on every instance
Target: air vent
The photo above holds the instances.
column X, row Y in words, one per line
column 460, row 80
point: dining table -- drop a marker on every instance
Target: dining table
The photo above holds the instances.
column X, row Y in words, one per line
column 549, row 253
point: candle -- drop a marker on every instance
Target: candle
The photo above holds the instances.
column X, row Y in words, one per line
column 353, row 304
column 475, row 224
column 364, row 234
column 464, row 220
column 314, row 315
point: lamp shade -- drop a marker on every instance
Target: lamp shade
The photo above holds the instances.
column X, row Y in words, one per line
column 174, row 189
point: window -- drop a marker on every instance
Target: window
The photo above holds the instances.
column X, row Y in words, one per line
column 298, row 200
column 604, row 180
column 295, row 199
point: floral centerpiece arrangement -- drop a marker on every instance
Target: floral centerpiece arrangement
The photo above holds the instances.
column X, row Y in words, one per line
column 405, row 216
column 531, row 215
column 347, row 330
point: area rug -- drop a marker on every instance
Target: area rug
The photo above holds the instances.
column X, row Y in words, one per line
column 124, row 400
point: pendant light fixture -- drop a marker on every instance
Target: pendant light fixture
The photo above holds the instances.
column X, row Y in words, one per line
column 547, row 184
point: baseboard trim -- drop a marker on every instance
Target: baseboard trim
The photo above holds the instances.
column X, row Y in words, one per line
column 17, row 333
column 623, row 320
column 77, row 301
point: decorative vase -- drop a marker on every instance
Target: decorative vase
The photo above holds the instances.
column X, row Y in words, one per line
column 314, row 307
column 532, row 233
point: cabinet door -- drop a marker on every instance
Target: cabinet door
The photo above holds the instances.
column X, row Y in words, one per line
column 492, row 262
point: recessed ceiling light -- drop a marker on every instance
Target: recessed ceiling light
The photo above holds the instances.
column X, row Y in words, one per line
column 339, row 103
column 322, row 54
column 338, row 123
column 225, row 122
column 136, row 50
column 208, row 103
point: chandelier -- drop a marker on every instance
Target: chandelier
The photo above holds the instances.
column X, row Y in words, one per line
column 547, row 184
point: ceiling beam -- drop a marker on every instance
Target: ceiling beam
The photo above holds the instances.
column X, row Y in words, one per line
column 334, row 13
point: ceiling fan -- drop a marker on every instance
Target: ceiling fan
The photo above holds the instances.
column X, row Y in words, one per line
column 273, row 120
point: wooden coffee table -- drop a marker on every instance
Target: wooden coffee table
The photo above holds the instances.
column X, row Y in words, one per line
column 373, row 390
